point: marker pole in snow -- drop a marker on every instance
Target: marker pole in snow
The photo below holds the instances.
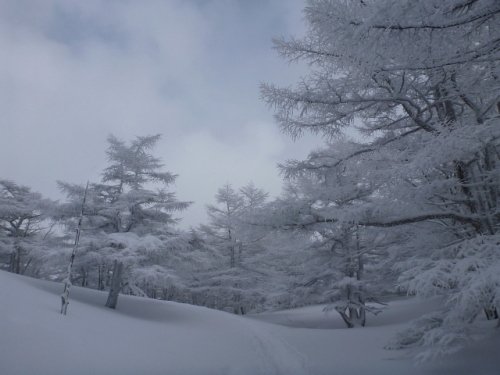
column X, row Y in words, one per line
column 67, row 280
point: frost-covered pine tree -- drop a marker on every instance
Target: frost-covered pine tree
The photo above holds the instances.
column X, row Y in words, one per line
column 225, row 221
column 238, row 277
column 24, row 222
column 126, row 225
column 420, row 79
column 340, row 260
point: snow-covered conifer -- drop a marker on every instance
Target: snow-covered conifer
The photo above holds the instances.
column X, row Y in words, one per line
column 123, row 215
column 24, row 222
column 420, row 80
column 238, row 280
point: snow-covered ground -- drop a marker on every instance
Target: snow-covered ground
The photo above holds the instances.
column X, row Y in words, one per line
column 144, row 336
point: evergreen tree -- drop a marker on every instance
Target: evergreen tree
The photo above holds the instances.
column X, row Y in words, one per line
column 421, row 80
column 341, row 257
column 24, row 222
column 126, row 224
column 237, row 281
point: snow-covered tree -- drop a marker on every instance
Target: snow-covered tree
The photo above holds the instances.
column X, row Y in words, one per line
column 224, row 221
column 420, row 79
column 126, row 225
column 237, row 280
column 340, row 260
column 24, row 222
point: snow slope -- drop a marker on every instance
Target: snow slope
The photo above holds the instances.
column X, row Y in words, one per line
column 145, row 336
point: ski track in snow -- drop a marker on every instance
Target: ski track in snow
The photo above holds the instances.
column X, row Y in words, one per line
column 275, row 355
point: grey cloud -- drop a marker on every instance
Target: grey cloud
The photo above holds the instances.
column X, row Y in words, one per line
column 72, row 72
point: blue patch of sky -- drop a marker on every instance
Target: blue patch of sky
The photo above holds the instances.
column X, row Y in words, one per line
column 171, row 89
column 242, row 27
column 74, row 29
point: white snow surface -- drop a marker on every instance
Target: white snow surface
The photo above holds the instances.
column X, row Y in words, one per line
column 145, row 336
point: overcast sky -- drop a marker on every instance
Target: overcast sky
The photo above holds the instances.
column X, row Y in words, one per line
column 74, row 71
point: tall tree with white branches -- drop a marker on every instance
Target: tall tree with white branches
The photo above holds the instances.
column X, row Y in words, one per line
column 24, row 222
column 421, row 80
column 126, row 223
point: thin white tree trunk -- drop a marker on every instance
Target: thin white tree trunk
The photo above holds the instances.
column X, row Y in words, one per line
column 67, row 280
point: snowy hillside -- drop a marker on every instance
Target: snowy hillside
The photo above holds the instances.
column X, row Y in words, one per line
column 145, row 336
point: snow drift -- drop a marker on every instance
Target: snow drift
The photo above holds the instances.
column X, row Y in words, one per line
column 145, row 336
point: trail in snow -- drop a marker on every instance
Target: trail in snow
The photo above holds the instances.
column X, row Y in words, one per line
column 276, row 356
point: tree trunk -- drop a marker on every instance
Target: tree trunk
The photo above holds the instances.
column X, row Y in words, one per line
column 491, row 313
column 116, row 284
column 232, row 255
column 67, row 280
column 101, row 278
column 15, row 259
column 354, row 317
column 84, row 277
column 13, row 262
